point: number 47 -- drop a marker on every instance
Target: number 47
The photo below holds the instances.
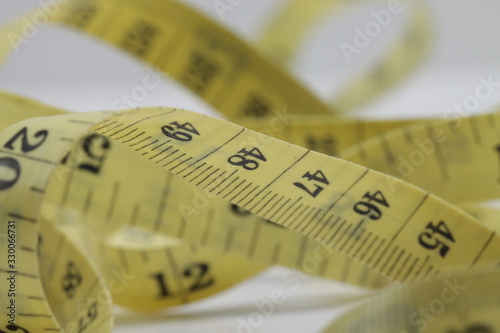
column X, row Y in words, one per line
column 317, row 177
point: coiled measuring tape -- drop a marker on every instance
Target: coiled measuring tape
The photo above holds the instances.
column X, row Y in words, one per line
column 189, row 205
column 286, row 32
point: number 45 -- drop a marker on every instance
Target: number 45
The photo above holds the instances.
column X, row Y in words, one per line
column 435, row 237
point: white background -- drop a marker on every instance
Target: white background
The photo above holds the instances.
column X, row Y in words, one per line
column 73, row 72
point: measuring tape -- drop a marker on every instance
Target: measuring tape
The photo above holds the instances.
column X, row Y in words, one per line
column 286, row 32
column 159, row 207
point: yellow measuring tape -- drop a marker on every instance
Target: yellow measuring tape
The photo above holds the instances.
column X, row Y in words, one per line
column 286, row 32
column 158, row 207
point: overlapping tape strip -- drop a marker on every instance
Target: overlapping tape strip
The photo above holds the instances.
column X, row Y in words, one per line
column 190, row 205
